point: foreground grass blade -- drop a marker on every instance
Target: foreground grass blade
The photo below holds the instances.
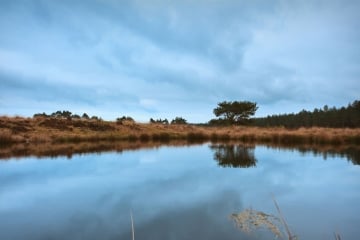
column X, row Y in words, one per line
column 290, row 236
column 132, row 226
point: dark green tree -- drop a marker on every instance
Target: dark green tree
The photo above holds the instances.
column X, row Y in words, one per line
column 236, row 112
column 95, row 118
column 85, row 116
column 39, row 115
column 326, row 117
column 161, row 121
column 179, row 120
column 124, row 119
column 235, row 156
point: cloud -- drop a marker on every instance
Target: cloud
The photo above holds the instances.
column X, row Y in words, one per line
column 180, row 52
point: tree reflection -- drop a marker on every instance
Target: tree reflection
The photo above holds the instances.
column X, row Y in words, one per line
column 236, row 156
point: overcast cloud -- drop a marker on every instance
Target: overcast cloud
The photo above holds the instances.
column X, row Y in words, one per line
column 163, row 58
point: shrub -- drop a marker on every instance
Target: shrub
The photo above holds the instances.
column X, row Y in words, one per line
column 179, row 120
column 124, row 120
column 161, row 121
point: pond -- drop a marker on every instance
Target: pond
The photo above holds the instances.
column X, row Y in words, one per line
column 179, row 192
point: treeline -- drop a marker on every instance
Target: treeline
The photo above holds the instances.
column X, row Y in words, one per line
column 239, row 113
column 326, row 117
column 65, row 114
column 177, row 120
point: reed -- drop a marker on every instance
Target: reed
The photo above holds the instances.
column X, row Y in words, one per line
column 19, row 129
column 197, row 137
column 6, row 137
column 161, row 137
column 132, row 227
column 144, row 137
column 225, row 137
column 132, row 138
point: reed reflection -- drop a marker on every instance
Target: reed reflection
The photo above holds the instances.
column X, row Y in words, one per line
column 236, row 156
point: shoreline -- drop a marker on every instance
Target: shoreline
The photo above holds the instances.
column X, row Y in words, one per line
column 18, row 130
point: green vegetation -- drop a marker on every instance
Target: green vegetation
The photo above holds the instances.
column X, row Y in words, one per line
column 326, row 117
column 66, row 115
column 125, row 120
column 160, row 121
column 179, row 120
column 234, row 113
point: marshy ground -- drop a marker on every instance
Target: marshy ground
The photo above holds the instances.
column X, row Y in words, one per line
column 60, row 130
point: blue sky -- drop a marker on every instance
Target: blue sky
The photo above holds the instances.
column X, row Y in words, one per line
column 162, row 59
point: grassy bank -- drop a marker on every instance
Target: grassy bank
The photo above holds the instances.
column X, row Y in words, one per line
column 54, row 130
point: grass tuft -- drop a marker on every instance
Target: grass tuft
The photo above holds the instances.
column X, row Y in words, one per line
column 249, row 220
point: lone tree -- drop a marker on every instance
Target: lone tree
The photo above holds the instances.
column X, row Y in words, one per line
column 236, row 112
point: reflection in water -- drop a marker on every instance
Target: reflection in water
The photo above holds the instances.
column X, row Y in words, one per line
column 204, row 220
column 174, row 193
column 351, row 153
column 229, row 155
column 353, row 156
column 71, row 149
column 237, row 156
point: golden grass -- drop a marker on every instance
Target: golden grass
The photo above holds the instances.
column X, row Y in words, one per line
column 50, row 130
column 47, row 141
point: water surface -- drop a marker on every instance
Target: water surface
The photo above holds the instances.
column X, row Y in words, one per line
column 177, row 193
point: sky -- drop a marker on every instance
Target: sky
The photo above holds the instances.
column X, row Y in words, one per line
column 168, row 58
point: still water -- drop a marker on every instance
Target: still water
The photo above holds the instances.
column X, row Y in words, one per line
column 184, row 192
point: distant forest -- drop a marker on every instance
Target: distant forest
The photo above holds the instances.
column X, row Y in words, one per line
column 326, row 117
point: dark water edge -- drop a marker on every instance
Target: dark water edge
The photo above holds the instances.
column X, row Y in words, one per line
column 230, row 149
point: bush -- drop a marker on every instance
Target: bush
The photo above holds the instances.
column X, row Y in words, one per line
column 124, row 119
column 179, row 120
column 165, row 121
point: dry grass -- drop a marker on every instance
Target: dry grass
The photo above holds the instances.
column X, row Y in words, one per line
column 45, row 130
column 132, row 227
column 5, row 137
column 249, row 220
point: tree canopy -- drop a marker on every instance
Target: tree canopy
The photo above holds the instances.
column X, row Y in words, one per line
column 179, row 120
column 324, row 117
column 236, row 112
